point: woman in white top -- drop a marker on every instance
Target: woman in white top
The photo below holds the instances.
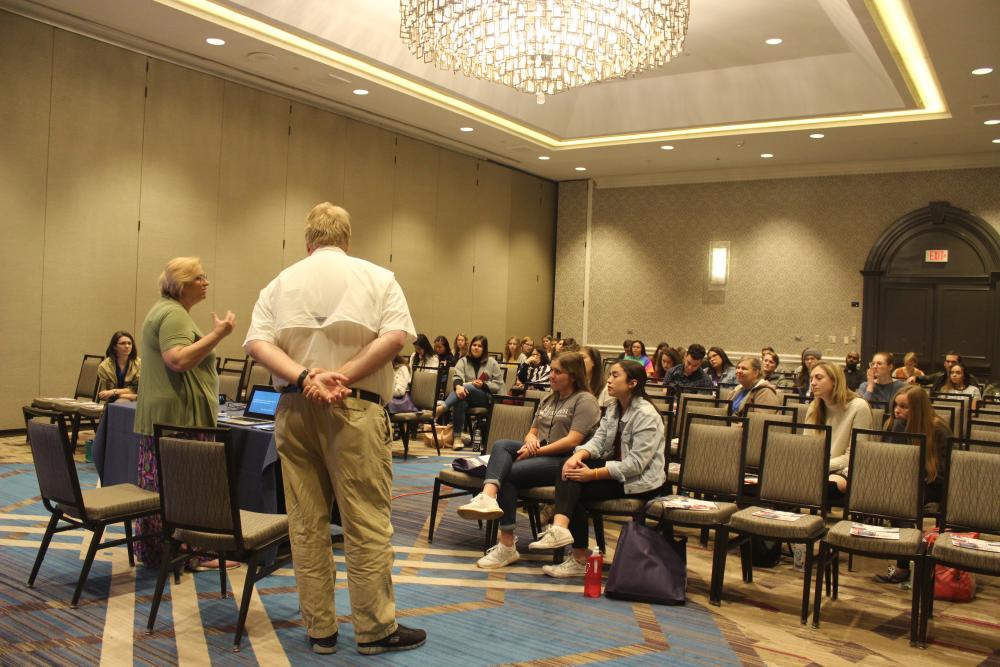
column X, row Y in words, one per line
column 838, row 407
column 423, row 354
column 958, row 383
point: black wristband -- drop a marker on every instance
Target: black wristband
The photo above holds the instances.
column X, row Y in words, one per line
column 302, row 378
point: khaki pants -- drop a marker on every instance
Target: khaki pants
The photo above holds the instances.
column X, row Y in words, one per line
column 341, row 450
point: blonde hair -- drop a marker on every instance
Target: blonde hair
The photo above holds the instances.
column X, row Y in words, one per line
column 840, row 395
column 328, row 225
column 179, row 270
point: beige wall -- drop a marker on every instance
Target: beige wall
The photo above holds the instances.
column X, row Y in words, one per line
column 797, row 247
column 111, row 163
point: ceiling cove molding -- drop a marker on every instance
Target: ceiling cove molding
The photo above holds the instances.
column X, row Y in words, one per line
column 942, row 163
column 894, row 18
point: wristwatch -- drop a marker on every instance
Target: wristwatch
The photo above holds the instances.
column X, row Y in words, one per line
column 302, row 378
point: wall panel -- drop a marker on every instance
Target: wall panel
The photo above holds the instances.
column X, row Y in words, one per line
column 251, row 204
column 491, row 241
column 454, row 254
column 368, row 180
column 531, row 239
column 93, row 203
column 415, row 198
column 180, row 179
column 316, row 160
column 25, row 79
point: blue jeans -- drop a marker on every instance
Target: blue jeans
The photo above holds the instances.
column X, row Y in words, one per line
column 476, row 398
column 511, row 475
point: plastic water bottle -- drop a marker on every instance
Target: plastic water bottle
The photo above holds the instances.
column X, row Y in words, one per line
column 477, row 440
column 592, row 579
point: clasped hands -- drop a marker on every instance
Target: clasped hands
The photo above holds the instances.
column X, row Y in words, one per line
column 574, row 470
column 530, row 448
column 324, row 386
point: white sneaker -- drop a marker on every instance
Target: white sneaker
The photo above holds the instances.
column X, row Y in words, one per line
column 499, row 556
column 554, row 537
column 482, row 508
column 570, row 567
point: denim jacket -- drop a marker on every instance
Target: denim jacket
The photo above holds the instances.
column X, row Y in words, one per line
column 643, row 444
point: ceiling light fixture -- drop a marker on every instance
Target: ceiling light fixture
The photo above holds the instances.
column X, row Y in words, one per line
column 466, row 129
column 816, row 135
column 774, row 41
column 992, row 121
column 767, row 156
column 359, row 91
column 666, row 147
column 544, row 157
column 996, row 141
column 544, row 48
column 581, row 169
column 215, row 41
column 981, row 71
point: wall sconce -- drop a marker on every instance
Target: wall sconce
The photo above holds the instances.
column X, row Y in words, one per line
column 718, row 265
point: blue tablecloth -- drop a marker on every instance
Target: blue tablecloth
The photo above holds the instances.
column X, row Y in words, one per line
column 116, row 451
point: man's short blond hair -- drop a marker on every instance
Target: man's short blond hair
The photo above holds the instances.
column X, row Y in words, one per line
column 179, row 270
column 328, row 225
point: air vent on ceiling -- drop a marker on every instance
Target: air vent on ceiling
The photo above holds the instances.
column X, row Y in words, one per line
column 992, row 110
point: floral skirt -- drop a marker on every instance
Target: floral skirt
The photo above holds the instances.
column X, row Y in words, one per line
column 150, row 550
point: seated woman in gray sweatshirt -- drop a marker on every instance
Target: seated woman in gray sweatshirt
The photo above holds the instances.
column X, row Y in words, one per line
column 474, row 378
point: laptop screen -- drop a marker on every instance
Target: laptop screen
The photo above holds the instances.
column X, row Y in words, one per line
column 263, row 402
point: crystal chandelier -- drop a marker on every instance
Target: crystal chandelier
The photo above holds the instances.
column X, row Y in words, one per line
column 544, row 47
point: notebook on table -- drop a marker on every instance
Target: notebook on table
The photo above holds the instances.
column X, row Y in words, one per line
column 261, row 407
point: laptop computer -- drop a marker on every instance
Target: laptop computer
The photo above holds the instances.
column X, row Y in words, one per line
column 261, row 406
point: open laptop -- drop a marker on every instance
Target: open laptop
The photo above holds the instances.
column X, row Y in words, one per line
column 261, row 406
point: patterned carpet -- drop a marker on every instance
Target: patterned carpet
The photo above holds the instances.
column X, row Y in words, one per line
column 512, row 616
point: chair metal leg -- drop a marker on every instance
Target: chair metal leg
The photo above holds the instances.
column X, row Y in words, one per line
column 704, row 537
column 434, row 507
column 437, row 445
column 918, row 579
column 836, row 573
column 88, row 561
column 719, row 553
column 404, row 434
column 245, row 603
column 161, row 582
column 746, row 558
column 46, row 539
column 926, row 599
column 822, row 571
column 531, row 520
column 807, row 580
column 222, row 573
column 599, row 532
column 128, row 542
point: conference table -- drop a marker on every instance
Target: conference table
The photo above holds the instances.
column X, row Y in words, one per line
column 116, row 453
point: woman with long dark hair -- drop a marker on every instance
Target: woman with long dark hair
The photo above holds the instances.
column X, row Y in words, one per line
column 118, row 374
column 720, row 368
column 474, row 378
column 423, row 354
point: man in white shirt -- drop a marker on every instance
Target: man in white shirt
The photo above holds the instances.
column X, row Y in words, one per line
column 328, row 327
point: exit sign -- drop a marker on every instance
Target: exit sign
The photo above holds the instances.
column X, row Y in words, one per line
column 936, row 256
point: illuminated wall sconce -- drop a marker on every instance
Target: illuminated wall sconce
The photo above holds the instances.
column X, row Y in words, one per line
column 718, row 265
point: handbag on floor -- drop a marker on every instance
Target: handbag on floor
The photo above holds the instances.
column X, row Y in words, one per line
column 648, row 565
column 951, row 583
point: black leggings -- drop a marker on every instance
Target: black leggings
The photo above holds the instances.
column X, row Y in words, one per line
column 571, row 496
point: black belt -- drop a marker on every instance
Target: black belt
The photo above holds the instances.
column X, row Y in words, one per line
column 363, row 394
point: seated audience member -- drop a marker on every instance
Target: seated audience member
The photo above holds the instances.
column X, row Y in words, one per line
column 810, row 356
column 460, row 347
column 512, row 350
column 637, row 353
column 720, row 369
column 880, row 387
column 535, row 371
column 400, row 401
column 959, row 383
column 624, row 459
column 658, row 370
column 564, row 420
column 594, row 364
column 836, row 406
column 568, row 345
column 474, row 378
column 765, row 350
column 689, row 372
column 753, row 388
column 118, row 374
column 852, row 370
column 913, row 413
column 443, row 351
column 423, row 354
column 936, row 380
column 769, row 362
column 527, row 347
column 627, row 349
column 909, row 367
column 548, row 344
column 671, row 357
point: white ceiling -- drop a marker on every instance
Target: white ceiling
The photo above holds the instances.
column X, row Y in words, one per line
column 833, row 61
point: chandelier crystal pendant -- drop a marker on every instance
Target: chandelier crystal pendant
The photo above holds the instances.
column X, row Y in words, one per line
column 544, row 47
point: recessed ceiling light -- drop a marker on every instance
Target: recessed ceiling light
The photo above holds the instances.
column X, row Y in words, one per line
column 666, row 147
column 774, row 41
column 996, row 141
column 215, row 41
column 980, row 71
column 767, row 156
column 585, row 169
column 816, row 135
column 466, row 129
column 544, row 157
column 360, row 91
column 992, row 121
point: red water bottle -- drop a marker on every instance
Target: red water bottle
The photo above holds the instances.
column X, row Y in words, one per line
column 592, row 579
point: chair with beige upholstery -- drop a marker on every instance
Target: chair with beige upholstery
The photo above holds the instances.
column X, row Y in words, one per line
column 423, row 393
column 254, row 373
column 510, row 419
column 757, row 415
column 793, row 476
column 229, row 384
column 984, row 429
column 886, row 484
column 972, row 504
column 93, row 509
column 697, row 404
column 712, row 464
column 199, row 482
column 963, row 407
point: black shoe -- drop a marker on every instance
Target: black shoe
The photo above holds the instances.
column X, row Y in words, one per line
column 894, row 576
column 403, row 639
column 324, row 646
